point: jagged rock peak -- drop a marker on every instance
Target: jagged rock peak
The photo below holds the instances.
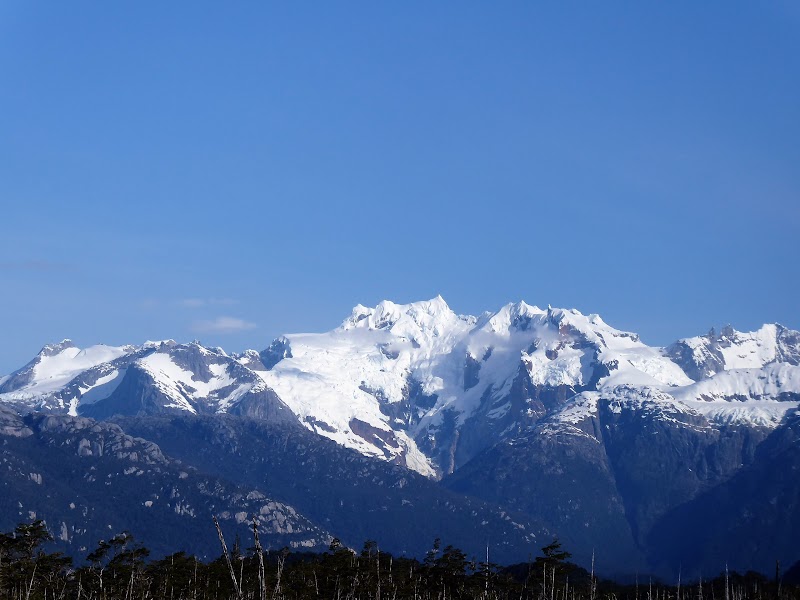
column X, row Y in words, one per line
column 423, row 315
column 150, row 344
column 520, row 317
column 514, row 315
column 53, row 349
column 703, row 356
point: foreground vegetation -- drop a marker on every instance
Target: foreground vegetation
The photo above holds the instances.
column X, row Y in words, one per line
column 121, row 569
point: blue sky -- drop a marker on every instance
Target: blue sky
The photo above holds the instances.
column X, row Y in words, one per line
column 232, row 172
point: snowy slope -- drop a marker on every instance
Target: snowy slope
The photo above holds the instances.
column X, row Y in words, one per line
column 703, row 356
column 185, row 387
column 54, row 367
column 427, row 380
column 338, row 382
column 163, row 375
column 410, row 371
column 757, row 396
column 754, row 397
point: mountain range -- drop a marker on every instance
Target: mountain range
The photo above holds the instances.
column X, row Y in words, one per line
column 502, row 429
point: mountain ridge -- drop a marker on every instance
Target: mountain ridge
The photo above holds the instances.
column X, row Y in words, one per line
column 575, row 427
column 418, row 384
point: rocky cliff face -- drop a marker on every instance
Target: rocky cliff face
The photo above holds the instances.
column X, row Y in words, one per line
column 89, row 480
column 749, row 520
column 614, row 467
column 356, row 497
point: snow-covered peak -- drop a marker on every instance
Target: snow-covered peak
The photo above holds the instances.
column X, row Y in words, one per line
column 547, row 324
column 511, row 317
column 150, row 344
column 250, row 359
column 743, row 350
column 748, row 350
column 187, row 377
column 409, row 371
column 753, row 396
column 703, row 356
column 55, row 366
column 592, row 328
column 54, row 349
column 428, row 315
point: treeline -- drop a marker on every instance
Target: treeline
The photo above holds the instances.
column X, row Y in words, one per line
column 121, row 569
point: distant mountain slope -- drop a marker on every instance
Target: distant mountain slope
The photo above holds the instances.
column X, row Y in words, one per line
column 353, row 496
column 54, row 368
column 703, row 356
column 749, row 521
column 612, row 466
column 154, row 378
column 90, row 480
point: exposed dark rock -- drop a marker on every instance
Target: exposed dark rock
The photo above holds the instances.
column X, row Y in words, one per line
column 353, row 496
column 277, row 351
column 472, row 369
column 748, row 521
column 90, row 480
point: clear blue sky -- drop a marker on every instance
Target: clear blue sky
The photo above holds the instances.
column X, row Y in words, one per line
column 166, row 164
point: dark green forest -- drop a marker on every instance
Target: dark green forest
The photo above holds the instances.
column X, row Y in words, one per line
column 121, row 568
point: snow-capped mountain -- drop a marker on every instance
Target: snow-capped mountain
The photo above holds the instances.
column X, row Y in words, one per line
column 155, row 377
column 583, row 429
column 421, row 386
column 703, row 356
column 55, row 367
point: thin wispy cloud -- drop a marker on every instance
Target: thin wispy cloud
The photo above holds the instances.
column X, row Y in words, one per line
column 222, row 325
column 203, row 302
column 193, row 303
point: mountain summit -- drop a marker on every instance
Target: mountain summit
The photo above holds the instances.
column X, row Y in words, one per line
column 417, row 384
